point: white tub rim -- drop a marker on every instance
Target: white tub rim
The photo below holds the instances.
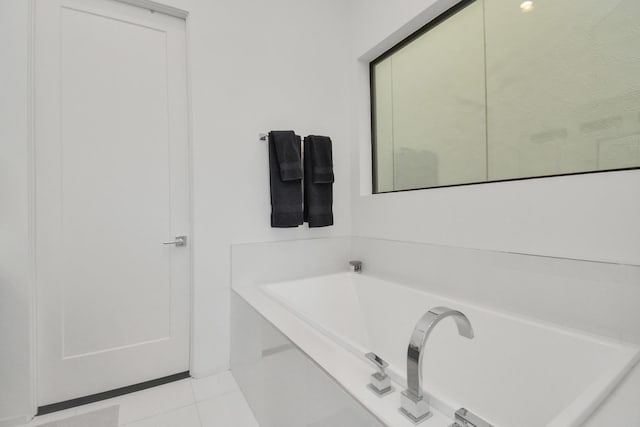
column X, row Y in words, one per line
column 597, row 392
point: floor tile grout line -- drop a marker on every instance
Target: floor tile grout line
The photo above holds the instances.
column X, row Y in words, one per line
column 164, row 412
column 195, row 400
column 244, row 398
column 253, row 414
column 220, row 395
column 157, row 414
column 117, row 401
column 194, row 403
column 199, row 415
column 237, row 388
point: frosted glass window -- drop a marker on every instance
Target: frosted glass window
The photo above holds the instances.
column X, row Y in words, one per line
column 499, row 89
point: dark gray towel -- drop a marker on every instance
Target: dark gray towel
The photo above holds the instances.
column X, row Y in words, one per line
column 322, row 159
column 285, row 178
column 318, row 181
column 287, row 145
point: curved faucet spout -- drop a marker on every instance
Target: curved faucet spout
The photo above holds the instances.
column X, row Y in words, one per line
column 419, row 338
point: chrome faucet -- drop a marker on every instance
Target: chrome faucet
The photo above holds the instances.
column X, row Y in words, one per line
column 414, row 405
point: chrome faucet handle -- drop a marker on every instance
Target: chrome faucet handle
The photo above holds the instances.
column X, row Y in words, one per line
column 466, row 418
column 356, row 266
column 378, row 361
column 380, row 382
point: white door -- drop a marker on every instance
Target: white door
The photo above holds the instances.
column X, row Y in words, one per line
column 111, row 186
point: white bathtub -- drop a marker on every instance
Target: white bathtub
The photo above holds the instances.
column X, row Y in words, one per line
column 516, row 372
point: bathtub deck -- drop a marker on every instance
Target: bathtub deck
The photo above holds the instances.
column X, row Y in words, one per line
column 345, row 364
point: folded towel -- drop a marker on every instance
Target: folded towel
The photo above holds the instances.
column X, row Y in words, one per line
column 318, row 181
column 285, row 173
column 287, row 145
column 322, row 160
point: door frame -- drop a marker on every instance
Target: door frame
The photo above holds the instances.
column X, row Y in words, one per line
column 32, row 141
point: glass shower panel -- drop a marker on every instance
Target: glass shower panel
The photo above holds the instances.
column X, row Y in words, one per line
column 563, row 93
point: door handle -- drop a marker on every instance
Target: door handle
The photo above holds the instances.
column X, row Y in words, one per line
column 180, row 241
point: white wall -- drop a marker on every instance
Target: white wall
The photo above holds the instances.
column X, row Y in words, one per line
column 256, row 66
column 253, row 264
column 592, row 217
column 15, row 279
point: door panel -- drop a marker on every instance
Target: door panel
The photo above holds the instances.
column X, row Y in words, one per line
column 111, row 187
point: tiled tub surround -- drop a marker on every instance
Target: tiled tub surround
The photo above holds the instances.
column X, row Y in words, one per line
column 596, row 297
column 533, row 286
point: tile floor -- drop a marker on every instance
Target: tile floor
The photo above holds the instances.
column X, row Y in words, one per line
column 214, row 401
